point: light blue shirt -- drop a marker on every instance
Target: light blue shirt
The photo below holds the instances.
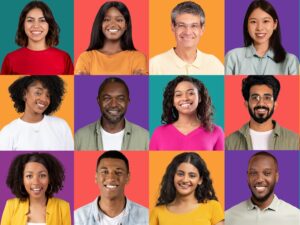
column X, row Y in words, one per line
column 246, row 61
column 90, row 214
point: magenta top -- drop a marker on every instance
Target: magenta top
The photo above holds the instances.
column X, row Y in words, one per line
column 167, row 137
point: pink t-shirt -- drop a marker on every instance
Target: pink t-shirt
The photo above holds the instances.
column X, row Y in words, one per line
column 167, row 137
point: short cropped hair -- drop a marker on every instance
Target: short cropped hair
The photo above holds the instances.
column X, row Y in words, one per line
column 15, row 175
column 113, row 154
column 54, row 84
column 190, row 8
column 266, row 154
column 112, row 80
column 252, row 80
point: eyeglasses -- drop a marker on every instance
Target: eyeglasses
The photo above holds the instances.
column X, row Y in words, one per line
column 184, row 26
column 265, row 98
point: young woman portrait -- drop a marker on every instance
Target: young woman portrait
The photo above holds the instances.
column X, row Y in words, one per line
column 187, row 195
column 111, row 49
column 34, row 178
column 188, row 118
column 38, row 36
column 263, row 52
column 37, row 97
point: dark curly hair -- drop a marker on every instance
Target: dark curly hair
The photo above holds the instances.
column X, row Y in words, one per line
column 52, row 37
column 55, row 170
column 204, row 109
column 54, row 84
column 203, row 192
column 252, row 80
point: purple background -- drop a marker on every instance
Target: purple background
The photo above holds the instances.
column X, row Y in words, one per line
column 66, row 158
column 86, row 107
column 236, row 187
column 287, row 12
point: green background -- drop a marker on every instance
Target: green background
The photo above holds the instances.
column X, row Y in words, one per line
column 62, row 11
column 157, row 84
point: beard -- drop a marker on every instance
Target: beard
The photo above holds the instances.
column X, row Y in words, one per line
column 260, row 118
column 113, row 118
column 263, row 198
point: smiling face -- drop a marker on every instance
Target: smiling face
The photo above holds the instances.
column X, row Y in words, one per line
column 186, row 179
column 187, row 30
column 36, row 27
column 36, row 180
column 111, row 177
column 114, row 24
column 261, row 26
column 262, row 178
column 37, row 99
column 186, row 98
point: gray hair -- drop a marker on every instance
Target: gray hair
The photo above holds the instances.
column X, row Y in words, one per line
column 188, row 7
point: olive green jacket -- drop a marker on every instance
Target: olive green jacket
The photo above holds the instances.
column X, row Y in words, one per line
column 282, row 139
column 90, row 138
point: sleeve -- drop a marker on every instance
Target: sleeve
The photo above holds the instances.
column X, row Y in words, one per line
column 153, row 66
column 230, row 63
column 7, row 214
column 293, row 65
column 69, row 145
column 66, row 213
column 6, row 68
column 217, row 213
column 218, row 66
column 139, row 65
column 82, row 65
column 154, row 141
column 219, row 145
column 154, row 217
column 69, row 69
column 6, row 140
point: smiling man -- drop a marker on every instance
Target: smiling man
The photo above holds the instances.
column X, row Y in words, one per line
column 188, row 23
column 112, row 131
column 112, row 207
column 261, row 132
column 263, row 207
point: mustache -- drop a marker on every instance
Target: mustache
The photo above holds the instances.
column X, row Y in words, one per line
column 261, row 107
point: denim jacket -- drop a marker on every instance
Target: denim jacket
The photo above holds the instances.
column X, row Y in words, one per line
column 90, row 214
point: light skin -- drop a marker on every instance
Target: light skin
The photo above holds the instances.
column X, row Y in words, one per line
column 37, row 100
column 261, row 27
column 113, row 101
column 111, row 178
column 186, row 100
column 261, row 90
column 36, row 29
column 262, row 178
column 187, row 30
column 36, row 181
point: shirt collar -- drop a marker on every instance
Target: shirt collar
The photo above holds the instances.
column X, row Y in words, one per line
column 127, row 129
column 245, row 130
column 273, row 206
column 180, row 63
column 251, row 51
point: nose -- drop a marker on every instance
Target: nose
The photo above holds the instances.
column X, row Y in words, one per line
column 44, row 97
column 113, row 102
column 259, row 26
column 111, row 176
column 35, row 180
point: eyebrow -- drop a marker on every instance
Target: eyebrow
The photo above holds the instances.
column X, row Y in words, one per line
column 191, row 89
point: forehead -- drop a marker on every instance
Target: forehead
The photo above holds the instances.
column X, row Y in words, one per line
column 260, row 89
column 112, row 163
column 113, row 11
column 259, row 13
column 114, row 87
column 187, row 167
column 34, row 167
column 185, row 85
column 35, row 12
column 187, row 18
column 37, row 84
column 262, row 162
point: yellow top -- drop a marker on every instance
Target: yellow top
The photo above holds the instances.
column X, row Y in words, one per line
column 57, row 212
column 126, row 62
column 209, row 213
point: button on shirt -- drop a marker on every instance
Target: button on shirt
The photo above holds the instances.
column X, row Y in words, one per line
column 246, row 61
column 277, row 213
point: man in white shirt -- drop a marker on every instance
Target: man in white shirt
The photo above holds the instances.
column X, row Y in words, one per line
column 188, row 23
column 263, row 207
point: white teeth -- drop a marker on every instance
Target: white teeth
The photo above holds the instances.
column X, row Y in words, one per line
column 260, row 188
column 36, row 189
column 260, row 35
column 41, row 105
column 36, row 32
column 114, row 112
column 111, row 186
column 113, row 30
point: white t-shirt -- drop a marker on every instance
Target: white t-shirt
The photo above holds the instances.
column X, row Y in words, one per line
column 112, row 141
column 117, row 220
column 51, row 133
column 261, row 140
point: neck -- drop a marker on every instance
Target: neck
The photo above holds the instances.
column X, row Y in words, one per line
column 188, row 55
column 265, row 204
column 111, row 47
column 261, row 127
column 188, row 120
column 31, row 117
column 185, row 200
column 112, row 207
column 261, row 49
column 38, row 201
column 37, row 46
column 112, row 127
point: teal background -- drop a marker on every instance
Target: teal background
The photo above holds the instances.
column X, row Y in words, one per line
column 62, row 11
column 157, row 84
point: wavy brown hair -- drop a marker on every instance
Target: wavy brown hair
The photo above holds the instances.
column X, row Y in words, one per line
column 204, row 109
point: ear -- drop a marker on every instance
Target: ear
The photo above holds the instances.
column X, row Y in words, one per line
column 277, row 176
column 128, row 178
column 200, row 181
column 246, row 104
column 275, row 105
column 173, row 27
column 202, row 29
column 98, row 100
column 96, row 178
column 275, row 25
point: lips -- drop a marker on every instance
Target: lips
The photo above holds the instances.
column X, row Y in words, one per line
column 260, row 35
column 41, row 105
column 111, row 186
column 36, row 190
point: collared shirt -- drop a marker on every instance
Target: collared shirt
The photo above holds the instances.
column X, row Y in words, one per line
column 90, row 138
column 57, row 212
column 281, row 139
column 277, row 213
column 246, row 61
column 168, row 63
column 90, row 214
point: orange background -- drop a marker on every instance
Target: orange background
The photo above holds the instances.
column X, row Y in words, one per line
column 162, row 38
column 8, row 112
column 85, row 13
column 286, row 114
column 85, row 188
column 160, row 160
